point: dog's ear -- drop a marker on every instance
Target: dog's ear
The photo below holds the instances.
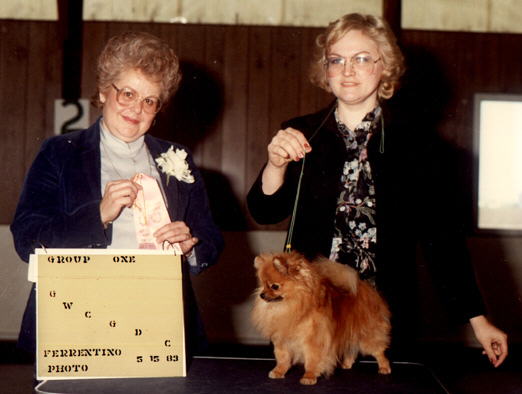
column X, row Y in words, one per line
column 278, row 264
column 300, row 267
column 257, row 262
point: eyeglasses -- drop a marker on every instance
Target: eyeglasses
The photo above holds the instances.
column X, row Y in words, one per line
column 360, row 62
column 127, row 96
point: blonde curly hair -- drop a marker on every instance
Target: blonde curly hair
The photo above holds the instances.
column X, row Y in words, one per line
column 139, row 51
column 378, row 31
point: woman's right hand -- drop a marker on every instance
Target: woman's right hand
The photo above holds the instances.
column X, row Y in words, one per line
column 117, row 195
column 287, row 145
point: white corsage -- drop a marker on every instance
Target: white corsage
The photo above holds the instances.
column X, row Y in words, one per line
column 174, row 163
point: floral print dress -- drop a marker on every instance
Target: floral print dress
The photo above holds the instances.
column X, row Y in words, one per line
column 355, row 235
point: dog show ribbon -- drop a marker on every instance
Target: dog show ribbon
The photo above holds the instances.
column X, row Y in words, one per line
column 150, row 214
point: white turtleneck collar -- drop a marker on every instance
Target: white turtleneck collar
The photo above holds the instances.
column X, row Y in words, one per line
column 119, row 147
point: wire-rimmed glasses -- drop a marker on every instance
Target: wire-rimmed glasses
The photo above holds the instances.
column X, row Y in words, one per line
column 360, row 62
column 127, row 96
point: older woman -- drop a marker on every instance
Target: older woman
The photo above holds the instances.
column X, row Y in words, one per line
column 80, row 190
column 356, row 187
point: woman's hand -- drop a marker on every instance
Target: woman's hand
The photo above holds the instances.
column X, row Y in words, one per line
column 177, row 232
column 493, row 340
column 117, row 195
column 287, row 145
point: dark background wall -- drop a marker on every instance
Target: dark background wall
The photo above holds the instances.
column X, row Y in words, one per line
column 239, row 83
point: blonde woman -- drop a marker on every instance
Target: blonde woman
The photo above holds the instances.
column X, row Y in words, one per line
column 359, row 187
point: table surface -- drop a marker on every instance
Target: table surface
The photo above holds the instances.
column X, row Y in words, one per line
column 250, row 375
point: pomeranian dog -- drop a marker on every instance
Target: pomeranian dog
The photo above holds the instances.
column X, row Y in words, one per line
column 318, row 314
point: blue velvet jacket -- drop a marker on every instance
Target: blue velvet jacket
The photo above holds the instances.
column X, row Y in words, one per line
column 59, row 203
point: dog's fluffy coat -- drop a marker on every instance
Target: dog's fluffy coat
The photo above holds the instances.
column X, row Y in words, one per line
column 319, row 314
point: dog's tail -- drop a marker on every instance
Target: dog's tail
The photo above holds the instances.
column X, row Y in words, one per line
column 340, row 275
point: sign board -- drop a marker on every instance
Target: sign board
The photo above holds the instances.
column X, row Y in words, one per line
column 106, row 313
column 70, row 115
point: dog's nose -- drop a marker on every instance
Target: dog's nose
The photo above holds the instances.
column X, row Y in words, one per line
column 262, row 295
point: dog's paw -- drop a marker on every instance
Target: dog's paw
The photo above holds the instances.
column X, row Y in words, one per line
column 308, row 378
column 386, row 370
column 273, row 374
column 347, row 364
column 308, row 381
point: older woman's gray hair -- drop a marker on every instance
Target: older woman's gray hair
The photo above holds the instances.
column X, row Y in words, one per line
column 138, row 51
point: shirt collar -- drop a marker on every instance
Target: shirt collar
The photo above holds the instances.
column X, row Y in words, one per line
column 118, row 146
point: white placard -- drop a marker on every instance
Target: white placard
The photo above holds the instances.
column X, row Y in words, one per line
column 71, row 116
column 500, row 162
column 109, row 314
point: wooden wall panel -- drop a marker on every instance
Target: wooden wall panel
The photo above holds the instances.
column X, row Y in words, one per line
column 258, row 131
column 94, row 37
column 13, row 79
column 258, row 107
column 191, row 51
column 240, row 83
column 22, row 82
column 44, row 76
column 449, row 68
column 285, row 78
column 235, row 105
column 210, row 103
column 310, row 97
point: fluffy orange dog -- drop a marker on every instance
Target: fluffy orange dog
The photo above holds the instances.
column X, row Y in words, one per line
column 318, row 314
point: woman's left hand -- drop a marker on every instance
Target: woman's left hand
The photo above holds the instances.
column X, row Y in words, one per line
column 177, row 232
column 493, row 340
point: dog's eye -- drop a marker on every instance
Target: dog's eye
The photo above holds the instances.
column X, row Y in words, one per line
column 275, row 286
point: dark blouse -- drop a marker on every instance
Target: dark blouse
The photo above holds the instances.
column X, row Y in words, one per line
column 355, row 234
